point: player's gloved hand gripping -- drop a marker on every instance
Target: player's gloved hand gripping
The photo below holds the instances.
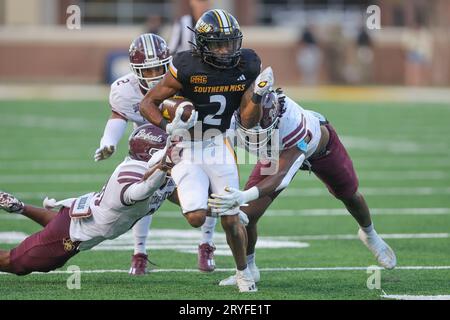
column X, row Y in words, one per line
column 263, row 84
column 232, row 198
column 178, row 124
column 104, row 152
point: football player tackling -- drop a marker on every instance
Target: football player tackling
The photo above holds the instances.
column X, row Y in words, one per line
column 218, row 77
column 303, row 138
column 149, row 59
column 137, row 187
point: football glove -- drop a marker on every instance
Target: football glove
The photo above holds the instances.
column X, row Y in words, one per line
column 232, row 198
column 178, row 124
column 264, row 82
column 104, row 152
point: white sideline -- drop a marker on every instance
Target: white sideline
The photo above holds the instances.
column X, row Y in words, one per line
column 261, row 269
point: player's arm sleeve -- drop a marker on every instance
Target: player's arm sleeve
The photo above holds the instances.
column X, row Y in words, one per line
column 279, row 177
column 142, row 190
column 114, row 130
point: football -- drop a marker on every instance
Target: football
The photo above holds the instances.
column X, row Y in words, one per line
column 169, row 106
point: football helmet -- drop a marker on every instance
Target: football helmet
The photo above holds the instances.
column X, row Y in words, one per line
column 145, row 141
column 149, row 59
column 218, row 39
column 257, row 137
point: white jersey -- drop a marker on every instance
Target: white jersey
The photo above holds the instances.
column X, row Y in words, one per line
column 111, row 215
column 125, row 97
column 296, row 124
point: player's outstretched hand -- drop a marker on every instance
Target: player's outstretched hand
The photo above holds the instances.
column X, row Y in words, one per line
column 178, row 124
column 264, row 82
column 230, row 199
column 104, row 152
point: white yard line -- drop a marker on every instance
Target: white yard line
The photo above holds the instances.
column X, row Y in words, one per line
column 370, row 191
column 354, row 236
column 86, row 177
column 289, row 192
column 413, row 297
column 302, row 213
column 293, row 269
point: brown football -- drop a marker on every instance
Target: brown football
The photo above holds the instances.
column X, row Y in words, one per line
column 169, row 106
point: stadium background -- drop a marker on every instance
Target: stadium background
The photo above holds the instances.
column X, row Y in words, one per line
column 388, row 97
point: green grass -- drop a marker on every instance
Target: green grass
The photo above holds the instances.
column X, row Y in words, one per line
column 392, row 145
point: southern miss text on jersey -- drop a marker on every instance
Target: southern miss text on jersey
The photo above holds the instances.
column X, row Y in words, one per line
column 216, row 93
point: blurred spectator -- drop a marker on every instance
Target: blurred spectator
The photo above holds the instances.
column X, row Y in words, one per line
column 309, row 58
column 419, row 46
column 153, row 24
column 181, row 35
column 359, row 59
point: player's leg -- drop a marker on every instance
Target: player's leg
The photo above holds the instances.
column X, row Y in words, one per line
column 11, row 204
column 140, row 258
column 4, row 261
column 43, row 251
column 222, row 171
column 193, row 190
column 335, row 169
column 206, row 247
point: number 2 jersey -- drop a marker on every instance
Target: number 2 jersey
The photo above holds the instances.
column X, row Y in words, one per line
column 112, row 215
column 125, row 97
column 216, row 93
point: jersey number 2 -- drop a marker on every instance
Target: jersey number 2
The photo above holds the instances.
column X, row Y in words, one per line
column 210, row 118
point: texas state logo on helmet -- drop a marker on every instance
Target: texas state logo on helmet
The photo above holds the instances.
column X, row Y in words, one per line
column 218, row 39
column 145, row 141
column 149, row 59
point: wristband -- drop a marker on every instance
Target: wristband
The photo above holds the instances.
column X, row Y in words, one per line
column 251, row 194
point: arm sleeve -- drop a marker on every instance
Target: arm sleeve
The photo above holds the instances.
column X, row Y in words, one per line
column 114, row 130
column 291, row 173
column 144, row 189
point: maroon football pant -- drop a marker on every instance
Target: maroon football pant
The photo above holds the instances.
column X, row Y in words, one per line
column 45, row 250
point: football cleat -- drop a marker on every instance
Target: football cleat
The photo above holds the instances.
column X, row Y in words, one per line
column 231, row 280
column 206, row 257
column 380, row 249
column 138, row 264
column 244, row 281
column 10, row 204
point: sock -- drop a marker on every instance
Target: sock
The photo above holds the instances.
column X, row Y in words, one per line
column 251, row 258
column 369, row 229
column 208, row 230
column 140, row 232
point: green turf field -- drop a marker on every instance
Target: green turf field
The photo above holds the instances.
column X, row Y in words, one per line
column 309, row 248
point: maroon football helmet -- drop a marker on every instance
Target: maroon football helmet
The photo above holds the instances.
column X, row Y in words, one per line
column 149, row 59
column 258, row 136
column 145, row 140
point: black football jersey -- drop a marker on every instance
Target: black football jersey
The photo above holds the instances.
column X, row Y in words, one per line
column 216, row 93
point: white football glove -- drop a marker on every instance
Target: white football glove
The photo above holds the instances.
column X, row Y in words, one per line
column 104, row 152
column 264, row 82
column 232, row 198
column 178, row 124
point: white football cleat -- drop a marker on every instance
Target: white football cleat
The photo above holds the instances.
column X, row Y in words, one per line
column 380, row 249
column 244, row 281
column 231, row 280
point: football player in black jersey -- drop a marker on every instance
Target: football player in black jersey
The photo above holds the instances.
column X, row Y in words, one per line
column 218, row 77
